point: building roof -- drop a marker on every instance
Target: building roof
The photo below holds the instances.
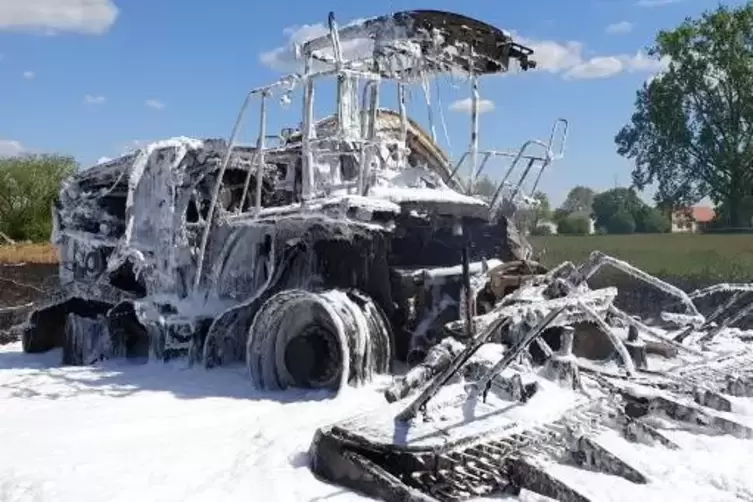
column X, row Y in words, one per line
column 703, row 214
column 699, row 214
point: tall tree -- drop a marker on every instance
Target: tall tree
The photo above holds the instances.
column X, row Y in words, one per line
column 692, row 130
column 529, row 219
column 621, row 211
column 484, row 187
column 28, row 186
column 579, row 200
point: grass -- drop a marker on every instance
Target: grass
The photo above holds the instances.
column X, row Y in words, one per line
column 712, row 257
column 28, row 253
column 726, row 258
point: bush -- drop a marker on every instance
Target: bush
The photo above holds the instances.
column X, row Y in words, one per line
column 28, row 187
column 574, row 225
column 542, row 230
column 651, row 221
column 621, row 222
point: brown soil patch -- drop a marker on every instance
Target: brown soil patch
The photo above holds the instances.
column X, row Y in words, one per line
column 43, row 253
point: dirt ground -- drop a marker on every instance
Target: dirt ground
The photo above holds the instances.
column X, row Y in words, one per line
column 21, row 284
column 26, row 282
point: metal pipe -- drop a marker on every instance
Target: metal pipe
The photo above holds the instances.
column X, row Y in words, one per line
column 363, row 178
column 538, row 177
column 260, row 157
column 555, row 128
column 246, row 183
column 307, row 157
column 512, row 166
column 481, row 167
column 365, row 99
column 403, row 122
column 523, row 177
column 468, row 297
column 474, row 133
column 442, row 378
column 511, row 354
column 429, row 109
column 216, row 190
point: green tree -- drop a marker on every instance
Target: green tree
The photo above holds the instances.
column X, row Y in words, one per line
column 29, row 185
column 625, row 201
column 607, row 204
column 579, row 200
column 621, row 222
column 484, row 187
column 542, row 230
column 559, row 214
column 649, row 220
column 530, row 218
column 692, row 130
column 574, row 224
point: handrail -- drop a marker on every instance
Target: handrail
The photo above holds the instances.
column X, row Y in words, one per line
column 559, row 131
column 264, row 91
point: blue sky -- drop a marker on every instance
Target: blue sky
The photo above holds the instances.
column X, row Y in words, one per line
column 93, row 78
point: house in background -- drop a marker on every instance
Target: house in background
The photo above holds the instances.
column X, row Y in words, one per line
column 691, row 219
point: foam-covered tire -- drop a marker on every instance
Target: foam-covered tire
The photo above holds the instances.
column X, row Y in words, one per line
column 87, row 340
column 320, row 340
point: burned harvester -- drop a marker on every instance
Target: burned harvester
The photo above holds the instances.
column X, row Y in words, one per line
column 317, row 256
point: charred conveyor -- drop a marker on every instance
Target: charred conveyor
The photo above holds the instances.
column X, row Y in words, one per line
column 317, row 256
column 462, row 425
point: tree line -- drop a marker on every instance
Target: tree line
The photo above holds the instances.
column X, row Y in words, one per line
column 615, row 211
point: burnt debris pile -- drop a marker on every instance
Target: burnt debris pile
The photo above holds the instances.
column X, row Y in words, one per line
column 550, row 370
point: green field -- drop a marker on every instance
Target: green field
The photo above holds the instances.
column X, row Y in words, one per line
column 713, row 258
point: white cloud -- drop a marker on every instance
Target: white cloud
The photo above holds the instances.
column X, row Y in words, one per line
column 94, row 100
column 619, row 28
column 603, row 67
column 92, row 17
column 655, row 3
column 284, row 58
column 552, row 56
column 10, row 148
column 599, row 67
column 153, row 103
column 464, row 105
column 641, row 62
column 102, row 160
column 28, row 75
column 567, row 59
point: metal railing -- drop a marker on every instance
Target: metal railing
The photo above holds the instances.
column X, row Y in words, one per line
column 559, row 131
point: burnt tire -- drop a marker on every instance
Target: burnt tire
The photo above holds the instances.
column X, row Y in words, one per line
column 32, row 342
column 87, row 340
column 45, row 329
column 317, row 340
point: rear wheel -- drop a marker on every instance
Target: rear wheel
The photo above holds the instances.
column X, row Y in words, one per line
column 317, row 340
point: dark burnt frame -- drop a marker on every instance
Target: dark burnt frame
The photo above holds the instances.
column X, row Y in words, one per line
column 492, row 47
